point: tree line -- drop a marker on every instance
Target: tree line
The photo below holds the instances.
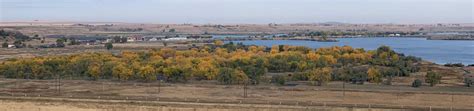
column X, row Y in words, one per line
column 226, row 63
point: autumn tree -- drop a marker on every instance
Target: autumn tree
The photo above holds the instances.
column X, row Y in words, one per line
column 320, row 75
column 374, row 75
column 229, row 64
column 275, row 49
column 94, row 70
column 218, row 43
column 175, row 74
column 231, row 76
column 147, row 73
column 122, row 72
column 206, row 69
column 60, row 42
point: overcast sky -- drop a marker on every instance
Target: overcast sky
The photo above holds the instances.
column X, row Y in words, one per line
column 240, row 11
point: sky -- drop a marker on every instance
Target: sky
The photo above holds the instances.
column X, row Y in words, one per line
column 240, row 11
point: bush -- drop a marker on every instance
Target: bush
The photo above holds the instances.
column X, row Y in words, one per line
column 454, row 65
column 108, row 46
column 433, row 78
column 416, row 83
column 18, row 44
column 299, row 77
column 5, row 45
column 358, row 80
column 230, row 76
column 278, row 79
column 60, row 42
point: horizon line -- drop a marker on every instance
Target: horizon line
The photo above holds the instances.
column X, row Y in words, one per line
column 121, row 22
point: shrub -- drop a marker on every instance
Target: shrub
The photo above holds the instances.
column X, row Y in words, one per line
column 5, row 45
column 454, row 65
column 278, row 79
column 433, row 78
column 230, row 76
column 416, row 83
column 374, row 75
column 320, row 75
column 108, row 46
column 299, row 77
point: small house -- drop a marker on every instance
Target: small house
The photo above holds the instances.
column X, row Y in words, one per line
column 11, row 46
column 135, row 38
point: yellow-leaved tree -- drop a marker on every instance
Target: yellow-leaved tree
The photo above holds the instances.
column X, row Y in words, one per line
column 275, row 49
column 207, row 69
column 320, row 75
column 94, row 70
column 218, row 43
column 122, row 72
column 374, row 75
column 147, row 73
column 312, row 56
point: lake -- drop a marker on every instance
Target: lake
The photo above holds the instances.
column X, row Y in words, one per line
column 438, row 51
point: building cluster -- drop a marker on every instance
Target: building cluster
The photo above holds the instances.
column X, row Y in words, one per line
column 101, row 39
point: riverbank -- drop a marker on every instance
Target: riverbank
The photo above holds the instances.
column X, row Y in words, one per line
column 450, row 37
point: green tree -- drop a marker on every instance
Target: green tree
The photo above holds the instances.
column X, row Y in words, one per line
column 231, row 76
column 73, row 41
column 18, row 44
column 279, row 79
column 433, row 78
column 172, row 30
column 109, row 46
column 416, row 83
column 60, row 42
column 5, row 45
column 256, row 70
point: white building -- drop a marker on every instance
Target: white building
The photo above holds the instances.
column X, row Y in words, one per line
column 176, row 39
column 11, row 46
column 153, row 39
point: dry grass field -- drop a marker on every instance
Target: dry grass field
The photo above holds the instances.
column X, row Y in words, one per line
column 99, row 105
column 68, row 28
column 364, row 96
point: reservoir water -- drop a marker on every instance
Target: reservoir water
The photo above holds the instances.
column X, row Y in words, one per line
column 438, row 51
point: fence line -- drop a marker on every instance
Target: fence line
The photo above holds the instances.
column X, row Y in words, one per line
column 236, row 101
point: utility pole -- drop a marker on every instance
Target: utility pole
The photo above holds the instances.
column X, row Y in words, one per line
column 58, row 84
column 59, row 87
column 159, row 87
column 344, row 90
column 452, row 101
column 245, row 89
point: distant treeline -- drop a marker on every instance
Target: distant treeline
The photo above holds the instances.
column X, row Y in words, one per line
column 351, row 33
column 18, row 38
column 14, row 34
